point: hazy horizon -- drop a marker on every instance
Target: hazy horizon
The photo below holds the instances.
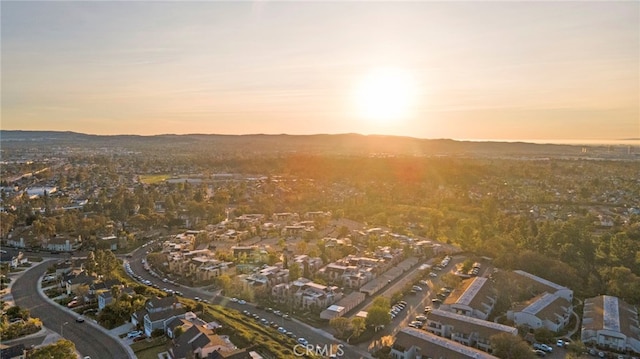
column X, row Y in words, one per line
column 613, row 142
column 531, row 71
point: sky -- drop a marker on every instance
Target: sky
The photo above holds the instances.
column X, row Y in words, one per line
column 470, row 70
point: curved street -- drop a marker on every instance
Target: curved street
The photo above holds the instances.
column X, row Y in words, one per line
column 315, row 336
column 89, row 340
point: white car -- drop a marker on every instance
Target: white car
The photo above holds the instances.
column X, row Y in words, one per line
column 134, row 334
column 546, row 348
column 303, row 341
column 242, row 301
column 234, row 299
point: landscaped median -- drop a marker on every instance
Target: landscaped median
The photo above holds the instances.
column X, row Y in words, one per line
column 244, row 332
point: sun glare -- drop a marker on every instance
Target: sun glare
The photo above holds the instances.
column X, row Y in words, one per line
column 385, row 96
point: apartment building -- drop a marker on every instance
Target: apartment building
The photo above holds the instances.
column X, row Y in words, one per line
column 413, row 343
column 306, row 294
column 472, row 332
column 610, row 323
column 474, row 298
column 546, row 310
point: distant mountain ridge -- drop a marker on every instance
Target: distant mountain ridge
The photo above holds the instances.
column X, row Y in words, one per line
column 345, row 144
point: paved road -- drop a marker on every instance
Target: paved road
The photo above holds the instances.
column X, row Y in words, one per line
column 315, row 336
column 88, row 339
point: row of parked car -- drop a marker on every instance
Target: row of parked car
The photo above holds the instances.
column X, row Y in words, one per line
column 274, row 325
column 397, row 308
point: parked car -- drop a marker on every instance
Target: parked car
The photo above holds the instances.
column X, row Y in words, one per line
column 80, row 319
column 539, row 352
column 72, row 304
column 546, row 348
column 133, row 334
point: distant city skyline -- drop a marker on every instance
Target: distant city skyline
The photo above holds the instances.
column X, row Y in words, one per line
column 557, row 71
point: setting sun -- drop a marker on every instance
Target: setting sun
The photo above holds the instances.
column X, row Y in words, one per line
column 385, row 95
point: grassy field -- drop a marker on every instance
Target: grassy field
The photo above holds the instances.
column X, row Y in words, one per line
column 150, row 348
column 151, row 353
column 153, row 179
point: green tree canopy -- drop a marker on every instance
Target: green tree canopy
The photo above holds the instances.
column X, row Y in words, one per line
column 62, row 349
column 378, row 316
column 507, row 346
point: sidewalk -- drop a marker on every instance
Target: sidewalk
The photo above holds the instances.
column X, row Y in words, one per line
column 41, row 333
column 89, row 322
column 124, row 328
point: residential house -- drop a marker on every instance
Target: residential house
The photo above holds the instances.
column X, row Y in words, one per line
column 14, row 261
column 472, row 332
column 285, row 217
column 199, row 342
column 159, row 313
column 74, row 282
column 109, row 242
column 293, row 230
column 61, row 244
column 308, row 264
column 610, row 323
column 16, row 242
column 190, row 319
column 474, row 298
column 317, row 215
column 106, row 297
column 413, row 343
column 251, row 253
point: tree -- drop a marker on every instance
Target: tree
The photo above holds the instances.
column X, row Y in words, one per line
column 340, row 325
column 62, row 349
column 378, row 317
column 90, row 263
column 224, row 282
column 450, row 280
column 381, row 302
column 544, row 335
column 81, row 291
column 115, row 292
column 294, row 271
column 507, row 346
column 358, row 326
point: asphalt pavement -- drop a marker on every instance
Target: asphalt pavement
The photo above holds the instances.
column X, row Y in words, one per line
column 89, row 338
column 314, row 335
